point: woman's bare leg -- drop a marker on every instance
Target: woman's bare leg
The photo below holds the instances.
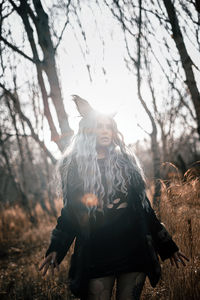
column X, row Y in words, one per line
column 101, row 288
column 130, row 285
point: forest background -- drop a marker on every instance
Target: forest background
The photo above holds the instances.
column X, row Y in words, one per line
column 139, row 59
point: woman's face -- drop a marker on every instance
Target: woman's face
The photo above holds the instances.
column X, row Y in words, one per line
column 104, row 132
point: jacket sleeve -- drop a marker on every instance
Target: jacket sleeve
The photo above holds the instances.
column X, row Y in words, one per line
column 163, row 242
column 65, row 231
column 62, row 235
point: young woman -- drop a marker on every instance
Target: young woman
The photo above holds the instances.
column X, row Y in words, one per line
column 118, row 235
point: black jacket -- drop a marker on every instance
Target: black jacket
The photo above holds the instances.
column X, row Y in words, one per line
column 70, row 225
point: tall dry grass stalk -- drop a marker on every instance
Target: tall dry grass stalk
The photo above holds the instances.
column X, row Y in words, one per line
column 180, row 211
column 22, row 247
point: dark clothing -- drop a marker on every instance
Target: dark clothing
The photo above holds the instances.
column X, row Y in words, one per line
column 125, row 239
column 114, row 240
column 116, row 246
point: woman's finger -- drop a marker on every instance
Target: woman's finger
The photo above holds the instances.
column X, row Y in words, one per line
column 52, row 268
column 171, row 260
column 182, row 261
column 43, row 263
column 50, row 260
column 175, row 260
column 181, row 254
column 46, row 268
column 57, row 265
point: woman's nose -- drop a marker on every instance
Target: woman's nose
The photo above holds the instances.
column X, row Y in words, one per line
column 104, row 129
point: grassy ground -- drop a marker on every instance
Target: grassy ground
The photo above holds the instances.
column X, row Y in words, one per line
column 22, row 248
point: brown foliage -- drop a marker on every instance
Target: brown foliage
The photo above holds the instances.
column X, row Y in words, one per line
column 23, row 247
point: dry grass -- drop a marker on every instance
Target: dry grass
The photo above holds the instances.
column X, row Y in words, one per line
column 23, row 247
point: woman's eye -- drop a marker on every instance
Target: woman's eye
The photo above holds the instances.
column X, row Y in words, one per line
column 100, row 126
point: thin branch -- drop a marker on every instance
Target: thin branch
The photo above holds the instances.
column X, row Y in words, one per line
column 82, row 52
column 9, row 135
column 17, row 50
column 7, row 15
column 170, row 81
column 14, row 5
column 139, row 74
column 143, row 129
column 120, row 18
column 21, row 114
column 64, row 27
column 61, row 35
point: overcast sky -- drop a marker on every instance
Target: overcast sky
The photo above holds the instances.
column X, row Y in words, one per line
column 114, row 90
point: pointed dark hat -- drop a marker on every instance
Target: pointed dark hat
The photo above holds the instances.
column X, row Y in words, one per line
column 84, row 108
column 82, row 105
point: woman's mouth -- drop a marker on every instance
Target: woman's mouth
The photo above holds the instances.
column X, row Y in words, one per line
column 104, row 139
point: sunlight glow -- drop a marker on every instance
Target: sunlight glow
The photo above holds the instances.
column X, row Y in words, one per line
column 113, row 90
column 89, row 200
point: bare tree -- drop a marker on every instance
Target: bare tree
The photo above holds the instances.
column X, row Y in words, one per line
column 148, row 56
column 153, row 135
column 22, row 116
column 127, row 25
column 36, row 26
column 186, row 60
column 153, row 44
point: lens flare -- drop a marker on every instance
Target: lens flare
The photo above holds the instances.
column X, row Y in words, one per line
column 90, row 200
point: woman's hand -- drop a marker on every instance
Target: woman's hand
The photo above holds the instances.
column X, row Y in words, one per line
column 51, row 261
column 178, row 257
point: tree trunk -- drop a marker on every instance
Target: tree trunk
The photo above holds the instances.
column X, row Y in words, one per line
column 40, row 23
column 185, row 59
column 154, row 143
column 24, row 201
column 20, row 146
column 45, row 42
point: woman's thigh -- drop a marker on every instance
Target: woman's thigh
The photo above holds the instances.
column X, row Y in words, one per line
column 130, row 285
column 101, row 288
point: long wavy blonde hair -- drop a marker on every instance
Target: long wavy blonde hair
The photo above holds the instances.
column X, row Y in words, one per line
column 121, row 165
